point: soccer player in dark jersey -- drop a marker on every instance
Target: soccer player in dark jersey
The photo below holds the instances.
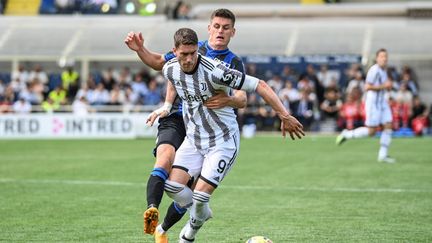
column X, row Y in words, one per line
column 171, row 131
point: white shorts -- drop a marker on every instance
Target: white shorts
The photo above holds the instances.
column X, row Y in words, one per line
column 210, row 165
column 378, row 115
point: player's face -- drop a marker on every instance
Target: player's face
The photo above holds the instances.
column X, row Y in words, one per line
column 187, row 56
column 220, row 32
column 381, row 59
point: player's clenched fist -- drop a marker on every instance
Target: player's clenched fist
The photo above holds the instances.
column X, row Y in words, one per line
column 291, row 125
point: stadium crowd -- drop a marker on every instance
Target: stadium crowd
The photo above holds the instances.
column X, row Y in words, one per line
column 321, row 98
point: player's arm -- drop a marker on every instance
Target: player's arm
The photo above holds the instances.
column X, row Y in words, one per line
column 238, row 100
column 369, row 84
column 163, row 111
column 385, row 86
column 135, row 42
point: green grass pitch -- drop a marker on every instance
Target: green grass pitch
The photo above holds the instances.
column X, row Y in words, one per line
column 290, row 191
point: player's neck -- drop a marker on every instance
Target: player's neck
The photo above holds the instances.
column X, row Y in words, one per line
column 217, row 47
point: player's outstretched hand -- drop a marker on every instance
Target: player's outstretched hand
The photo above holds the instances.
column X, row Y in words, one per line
column 160, row 112
column 220, row 100
column 134, row 40
column 291, row 125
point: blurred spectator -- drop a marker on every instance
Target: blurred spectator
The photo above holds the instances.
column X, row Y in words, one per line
column 58, row 96
column 17, row 85
column 39, row 74
column 80, row 106
column 21, row 75
column 318, row 88
column 357, row 82
column 411, row 85
column 419, row 119
column 6, row 101
column 288, row 95
column 276, row 83
column 139, row 87
column 266, row 116
column 153, row 96
column 305, row 84
column 351, row 114
column 181, row 11
column 50, row 106
column 288, row 74
column 249, row 114
column 86, row 90
column 303, row 109
column 289, row 91
column 32, row 93
column 331, row 104
column 2, row 88
column 401, row 112
column 117, row 96
column 108, row 78
column 100, row 96
column 70, row 79
column 404, row 96
column 328, row 78
column 21, row 106
column 124, row 77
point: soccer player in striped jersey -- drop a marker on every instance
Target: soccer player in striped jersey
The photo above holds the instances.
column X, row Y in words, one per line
column 212, row 135
column 171, row 131
column 378, row 111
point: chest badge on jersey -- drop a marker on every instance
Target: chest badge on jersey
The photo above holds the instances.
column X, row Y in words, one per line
column 203, row 86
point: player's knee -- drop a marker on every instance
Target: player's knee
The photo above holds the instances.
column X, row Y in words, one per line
column 160, row 172
column 181, row 194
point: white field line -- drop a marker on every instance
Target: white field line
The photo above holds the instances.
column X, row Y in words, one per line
column 134, row 184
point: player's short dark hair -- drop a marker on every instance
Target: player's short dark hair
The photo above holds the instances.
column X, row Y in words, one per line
column 380, row 50
column 185, row 36
column 223, row 13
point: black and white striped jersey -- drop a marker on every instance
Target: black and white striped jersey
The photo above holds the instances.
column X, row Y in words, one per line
column 376, row 76
column 206, row 128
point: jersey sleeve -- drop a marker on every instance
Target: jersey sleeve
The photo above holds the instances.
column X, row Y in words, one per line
column 168, row 56
column 233, row 78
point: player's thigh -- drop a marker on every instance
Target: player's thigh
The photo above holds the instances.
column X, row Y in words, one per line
column 219, row 161
column 171, row 130
column 373, row 116
column 386, row 115
column 187, row 159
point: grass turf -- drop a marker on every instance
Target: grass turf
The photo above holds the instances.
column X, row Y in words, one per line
column 302, row 191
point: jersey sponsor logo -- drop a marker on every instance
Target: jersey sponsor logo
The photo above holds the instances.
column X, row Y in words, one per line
column 217, row 178
column 194, row 98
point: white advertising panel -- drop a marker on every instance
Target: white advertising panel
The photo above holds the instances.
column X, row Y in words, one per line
column 98, row 125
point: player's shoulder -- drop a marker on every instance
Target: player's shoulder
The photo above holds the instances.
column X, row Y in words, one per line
column 374, row 68
column 170, row 63
column 208, row 63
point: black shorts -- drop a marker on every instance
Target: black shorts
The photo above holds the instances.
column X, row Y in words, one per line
column 171, row 130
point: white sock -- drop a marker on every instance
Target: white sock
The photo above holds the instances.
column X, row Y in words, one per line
column 385, row 141
column 199, row 213
column 360, row 132
column 179, row 192
column 160, row 229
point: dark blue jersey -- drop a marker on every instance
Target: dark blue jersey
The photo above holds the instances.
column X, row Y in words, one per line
column 227, row 57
